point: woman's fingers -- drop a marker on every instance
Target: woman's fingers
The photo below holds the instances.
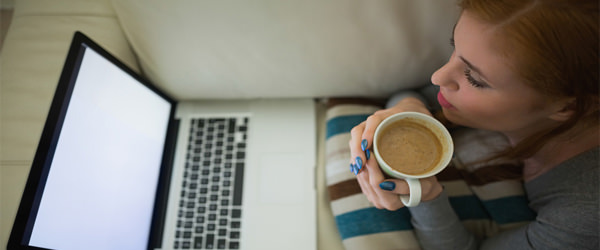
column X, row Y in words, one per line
column 357, row 155
column 363, row 164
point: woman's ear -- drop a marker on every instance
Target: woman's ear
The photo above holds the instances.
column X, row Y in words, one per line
column 564, row 110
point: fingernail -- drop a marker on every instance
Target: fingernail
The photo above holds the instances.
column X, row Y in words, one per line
column 387, row 185
column 368, row 154
column 359, row 163
column 354, row 169
column 364, row 144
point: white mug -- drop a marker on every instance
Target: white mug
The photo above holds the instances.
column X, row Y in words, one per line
column 440, row 132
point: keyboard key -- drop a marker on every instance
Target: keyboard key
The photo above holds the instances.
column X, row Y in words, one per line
column 210, row 240
column 240, row 155
column 236, row 213
column 231, row 126
column 221, row 244
column 239, row 182
column 198, row 242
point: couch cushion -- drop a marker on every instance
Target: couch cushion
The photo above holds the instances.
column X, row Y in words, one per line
column 32, row 58
column 220, row 49
column 64, row 7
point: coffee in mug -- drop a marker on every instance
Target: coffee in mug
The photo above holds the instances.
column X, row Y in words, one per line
column 411, row 146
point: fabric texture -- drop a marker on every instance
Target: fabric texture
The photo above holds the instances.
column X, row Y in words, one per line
column 565, row 200
column 216, row 49
column 486, row 206
column 33, row 56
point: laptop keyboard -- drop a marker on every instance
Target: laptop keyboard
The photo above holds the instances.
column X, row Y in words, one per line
column 210, row 207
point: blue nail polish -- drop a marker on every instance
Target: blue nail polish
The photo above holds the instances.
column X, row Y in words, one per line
column 359, row 163
column 387, row 185
column 353, row 169
column 364, row 144
column 368, row 154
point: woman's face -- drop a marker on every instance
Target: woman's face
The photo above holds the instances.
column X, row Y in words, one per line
column 479, row 89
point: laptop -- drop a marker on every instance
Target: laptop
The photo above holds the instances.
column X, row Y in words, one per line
column 121, row 165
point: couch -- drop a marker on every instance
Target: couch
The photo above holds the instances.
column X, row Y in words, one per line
column 326, row 50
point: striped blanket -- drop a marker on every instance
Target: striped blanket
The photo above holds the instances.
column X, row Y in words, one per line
column 486, row 205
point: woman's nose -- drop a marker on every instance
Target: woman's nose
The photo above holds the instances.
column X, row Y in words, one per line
column 445, row 77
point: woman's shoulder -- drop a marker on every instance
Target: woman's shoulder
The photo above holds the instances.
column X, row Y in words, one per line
column 567, row 197
column 574, row 181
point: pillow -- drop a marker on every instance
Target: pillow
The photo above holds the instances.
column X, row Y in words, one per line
column 222, row 49
column 486, row 206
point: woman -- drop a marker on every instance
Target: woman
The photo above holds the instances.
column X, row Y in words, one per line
column 529, row 70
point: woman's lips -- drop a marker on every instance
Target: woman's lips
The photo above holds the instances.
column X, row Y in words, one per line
column 443, row 102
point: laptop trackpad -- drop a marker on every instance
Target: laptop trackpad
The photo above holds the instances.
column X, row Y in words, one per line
column 283, row 180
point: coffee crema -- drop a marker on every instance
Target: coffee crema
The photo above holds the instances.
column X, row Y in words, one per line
column 409, row 147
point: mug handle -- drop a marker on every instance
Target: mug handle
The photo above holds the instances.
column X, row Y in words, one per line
column 414, row 198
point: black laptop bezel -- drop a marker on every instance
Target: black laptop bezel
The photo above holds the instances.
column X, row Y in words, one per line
column 30, row 200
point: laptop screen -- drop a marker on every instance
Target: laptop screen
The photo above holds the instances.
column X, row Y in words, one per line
column 102, row 171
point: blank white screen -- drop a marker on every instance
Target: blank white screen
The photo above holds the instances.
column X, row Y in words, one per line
column 101, row 187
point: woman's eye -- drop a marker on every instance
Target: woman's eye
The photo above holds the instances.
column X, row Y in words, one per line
column 472, row 81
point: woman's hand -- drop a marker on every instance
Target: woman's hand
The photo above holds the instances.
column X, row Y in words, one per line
column 381, row 192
